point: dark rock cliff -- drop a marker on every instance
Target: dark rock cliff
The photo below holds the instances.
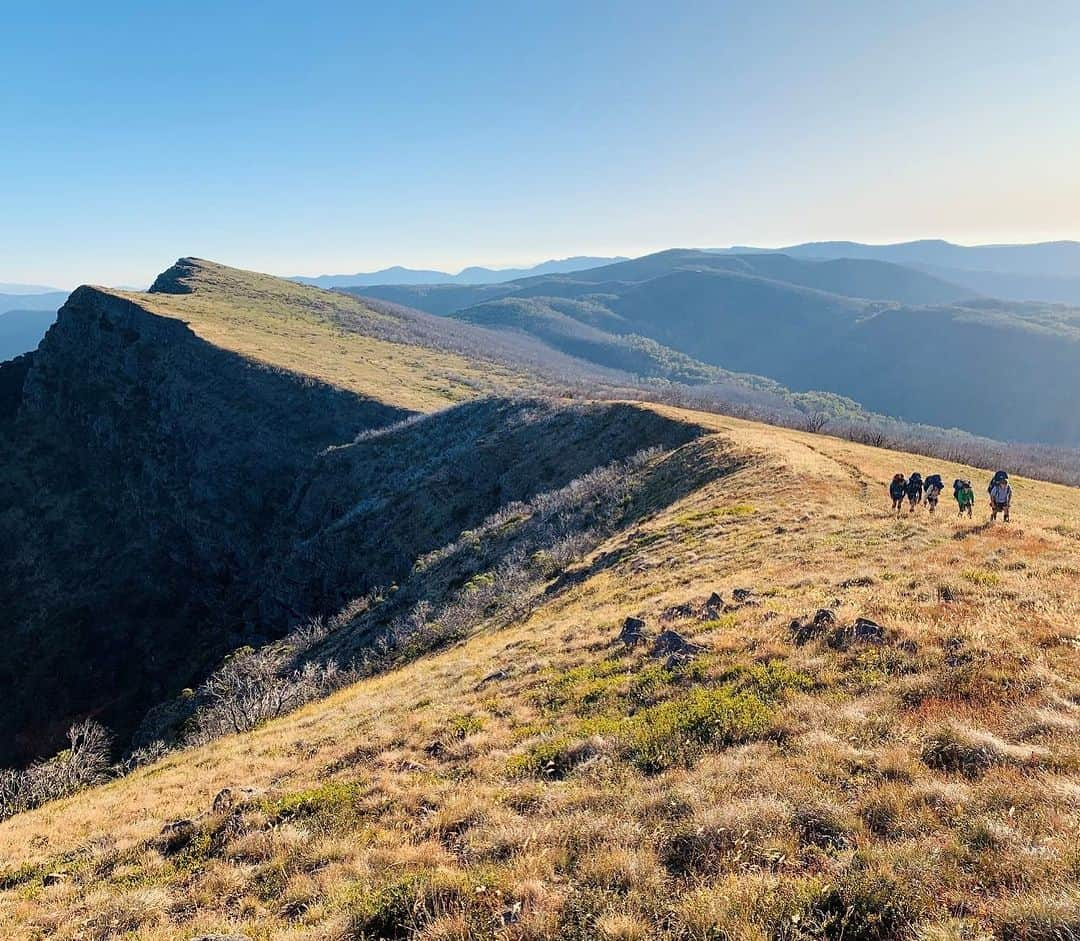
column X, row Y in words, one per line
column 141, row 471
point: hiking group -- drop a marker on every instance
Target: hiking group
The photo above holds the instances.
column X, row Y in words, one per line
column 914, row 489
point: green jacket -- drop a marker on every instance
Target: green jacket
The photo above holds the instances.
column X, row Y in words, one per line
column 965, row 496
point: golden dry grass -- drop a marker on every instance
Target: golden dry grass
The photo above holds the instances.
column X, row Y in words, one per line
column 393, row 808
column 300, row 328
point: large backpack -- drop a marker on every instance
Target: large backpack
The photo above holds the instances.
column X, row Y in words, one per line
column 915, row 484
column 934, row 480
column 997, row 479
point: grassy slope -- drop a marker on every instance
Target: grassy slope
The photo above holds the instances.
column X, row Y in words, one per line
column 307, row 330
column 394, row 802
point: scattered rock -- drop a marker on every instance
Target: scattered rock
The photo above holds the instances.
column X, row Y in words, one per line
column 510, row 915
column 862, row 631
column 229, row 797
column 744, row 595
column 175, row 835
column 54, row 878
column 946, row 594
column 633, row 632
column 222, row 937
column 865, row 629
column 824, row 618
column 673, row 643
column 496, row 677
column 678, row 661
column 685, row 610
column 715, row 602
column 804, row 631
column 858, row 581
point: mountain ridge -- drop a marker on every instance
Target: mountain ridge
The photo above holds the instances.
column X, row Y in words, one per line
column 473, row 274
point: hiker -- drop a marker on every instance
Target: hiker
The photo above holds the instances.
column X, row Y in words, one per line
column 1000, row 494
column 897, row 489
column 914, row 491
column 965, row 496
column 933, row 487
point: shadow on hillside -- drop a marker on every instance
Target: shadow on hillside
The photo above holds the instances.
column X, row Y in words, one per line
column 521, row 555
column 683, row 472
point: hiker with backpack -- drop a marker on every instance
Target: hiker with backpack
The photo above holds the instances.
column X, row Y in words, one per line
column 897, row 489
column 1000, row 493
column 914, row 491
column 965, row 496
column 933, row 487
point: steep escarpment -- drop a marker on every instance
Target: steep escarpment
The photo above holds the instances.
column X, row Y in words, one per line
column 178, row 481
column 142, row 468
column 365, row 513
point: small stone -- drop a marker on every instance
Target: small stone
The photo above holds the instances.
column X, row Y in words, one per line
column 495, row 677
column 633, row 632
column 865, row 629
column 862, row 631
column 672, row 642
column 54, row 878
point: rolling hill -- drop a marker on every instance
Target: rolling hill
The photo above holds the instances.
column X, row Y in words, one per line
column 1047, row 271
column 900, row 342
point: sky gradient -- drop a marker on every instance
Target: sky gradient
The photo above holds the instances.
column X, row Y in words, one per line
column 339, row 137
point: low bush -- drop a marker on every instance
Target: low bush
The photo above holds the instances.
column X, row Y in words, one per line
column 83, row 763
column 671, row 733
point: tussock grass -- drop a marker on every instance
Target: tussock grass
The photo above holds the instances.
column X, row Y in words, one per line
column 925, row 787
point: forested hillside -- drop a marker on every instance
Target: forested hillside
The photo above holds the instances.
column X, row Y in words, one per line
column 899, row 341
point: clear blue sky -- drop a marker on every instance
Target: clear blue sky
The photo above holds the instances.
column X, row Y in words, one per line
column 328, row 137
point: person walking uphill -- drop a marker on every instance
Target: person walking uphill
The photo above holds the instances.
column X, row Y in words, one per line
column 1000, row 493
column 897, row 489
column 965, row 496
column 914, row 491
column 933, row 487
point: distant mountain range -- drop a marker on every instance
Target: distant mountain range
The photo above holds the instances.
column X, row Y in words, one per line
column 24, row 318
column 899, row 340
column 1044, row 271
column 49, row 300
column 473, row 275
column 9, row 288
column 22, row 330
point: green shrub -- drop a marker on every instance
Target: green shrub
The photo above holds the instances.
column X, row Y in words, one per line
column 332, row 803
column 770, row 680
column 461, row 726
column 671, row 733
column 678, row 731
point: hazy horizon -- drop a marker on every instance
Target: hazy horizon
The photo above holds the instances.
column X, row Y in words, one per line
column 342, row 138
column 18, row 287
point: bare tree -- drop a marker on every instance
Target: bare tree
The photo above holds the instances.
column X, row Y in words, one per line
column 814, row 422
